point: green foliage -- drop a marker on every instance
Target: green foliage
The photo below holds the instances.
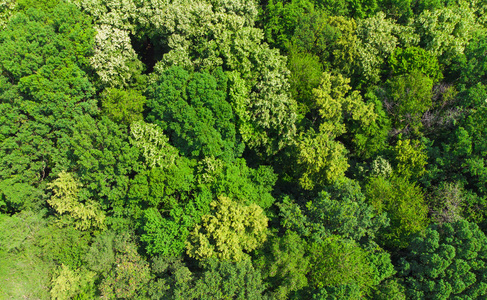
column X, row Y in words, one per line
column 163, row 236
column 415, row 59
column 67, row 283
column 123, row 106
column 446, row 203
column 280, row 20
column 101, row 156
column 332, row 39
column 337, row 261
column 155, row 146
column 447, row 261
column 369, row 139
column 193, row 111
column 348, row 216
column 357, row 9
column 65, row 200
column 214, row 280
column 238, row 181
column 203, row 35
column 472, row 66
column 159, row 149
column 230, row 229
column 114, row 60
column 410, row 159
column 62, row 245
column 403, row 201
column 408, row 98
column 226, row 280
column 7, row 7
column 122, row 271
column 447, row 30
column 389, row 290
column 306, row 73
column 167, row 236
column 129, row 274
column 321, row 158
column 284, row 264
column 31, row 249
column 22, row 272
column 378, row 38
column 44, row 61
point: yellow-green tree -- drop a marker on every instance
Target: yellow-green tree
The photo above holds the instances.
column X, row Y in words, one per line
column 228, row 232
column 321, row 158
column 84, row 216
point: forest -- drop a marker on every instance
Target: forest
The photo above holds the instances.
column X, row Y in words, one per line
column 237, row 149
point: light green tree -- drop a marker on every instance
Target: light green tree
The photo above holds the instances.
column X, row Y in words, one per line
column 228, row 231
column 379, row 36
column 154, row 145
column 447, row 30
column 404, row 204
column 83, row 216
column 321, row 158
column 123, row 106
column 67, row 283
column 411, row 159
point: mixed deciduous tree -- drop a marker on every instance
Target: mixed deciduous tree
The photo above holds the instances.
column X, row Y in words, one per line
column 447, row 261
column 228, row 231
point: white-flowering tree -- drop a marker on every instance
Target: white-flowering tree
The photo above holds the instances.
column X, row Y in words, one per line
column 114, row 60
column 154, row 144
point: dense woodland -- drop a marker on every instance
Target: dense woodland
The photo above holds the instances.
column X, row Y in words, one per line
column 230, row 149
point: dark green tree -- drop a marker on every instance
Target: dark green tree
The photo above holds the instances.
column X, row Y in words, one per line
column 446, row 262
column 193, row 111
column 45, row 83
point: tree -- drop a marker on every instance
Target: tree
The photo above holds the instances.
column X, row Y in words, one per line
column 230, row 230
column 403, row 201
column 24, row 274
column 224, row 280
column 415, row 59
column 154, row 145
column 472, row 65
column 280, row 19
column 357, row 9
column 65, row 199
column 379, row 37
column 410, row 159
column 339, row 262
column 114, row 59
column 192, row 109
column 284, row 264
column 214, row 280
column 321, row 159
column 68, row 283
column 44, row 61
column 446, row 203
column 6, row 10
column 237, row 181
column 448, row 261
column 331, row 38
column 345, row 213
column 408, row 98
column 123, row 106
column 101, row 156
column 204, row 36
column 128, row 276
column 168, row 236
column 447, row 30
